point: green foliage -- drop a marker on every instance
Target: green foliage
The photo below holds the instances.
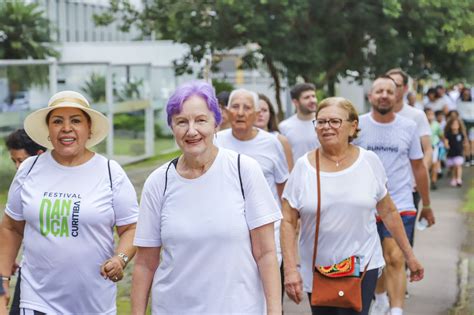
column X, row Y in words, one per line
column 94, row 87
column 131, row 121
column 319, row 41
column 129, row 90
column 220, row 86
column 25, row 33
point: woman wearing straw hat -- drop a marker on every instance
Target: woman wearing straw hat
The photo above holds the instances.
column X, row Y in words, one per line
column 63, row 205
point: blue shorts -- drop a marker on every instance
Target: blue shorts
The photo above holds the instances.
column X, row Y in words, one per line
column 408, row 218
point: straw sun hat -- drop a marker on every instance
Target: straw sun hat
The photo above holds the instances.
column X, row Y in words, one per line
column 36, row 126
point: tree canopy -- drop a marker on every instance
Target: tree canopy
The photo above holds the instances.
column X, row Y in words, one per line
column 25, row 33
column 319, row 41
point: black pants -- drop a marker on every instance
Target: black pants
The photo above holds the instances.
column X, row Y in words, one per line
column 15, row 309
column 368, row 289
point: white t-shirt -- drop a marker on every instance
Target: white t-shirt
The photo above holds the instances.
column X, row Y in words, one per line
column 422, row 125
column 395, row 143
column 419, row 117
column 301, row 135
column 347, row 226
column 267, row 150
column 202, row 226
column 70, row 213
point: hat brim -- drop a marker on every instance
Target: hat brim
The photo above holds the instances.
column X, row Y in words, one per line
column 37, row 129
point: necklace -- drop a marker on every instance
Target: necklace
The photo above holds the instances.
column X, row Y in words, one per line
column 335, row 161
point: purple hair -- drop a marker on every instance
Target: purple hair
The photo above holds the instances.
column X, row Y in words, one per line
column 185, row 91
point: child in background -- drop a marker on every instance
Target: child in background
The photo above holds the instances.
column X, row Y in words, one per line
column 454, row 143
column 437, row 137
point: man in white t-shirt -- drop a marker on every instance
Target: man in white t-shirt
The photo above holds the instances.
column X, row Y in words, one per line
column 395, row 140
column 260, row 145
column 299, row 128
column 418, row 116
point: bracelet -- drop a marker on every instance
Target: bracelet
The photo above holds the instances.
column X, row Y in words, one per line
column 4, row 278
column 426, row 206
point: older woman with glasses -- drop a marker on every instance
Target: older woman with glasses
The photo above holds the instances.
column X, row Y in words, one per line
column 352, row 185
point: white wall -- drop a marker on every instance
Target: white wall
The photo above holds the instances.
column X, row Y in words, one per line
column 157, row 53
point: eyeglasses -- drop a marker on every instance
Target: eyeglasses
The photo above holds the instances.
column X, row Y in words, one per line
column 335, row 123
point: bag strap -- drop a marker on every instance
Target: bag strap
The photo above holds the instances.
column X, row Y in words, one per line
column 34, row 162
column 110, row 175
column 175, row 163
column 318, row 211
column 318, row 219
column 240, row 176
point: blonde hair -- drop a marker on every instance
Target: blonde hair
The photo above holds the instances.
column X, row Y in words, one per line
column 346, row 105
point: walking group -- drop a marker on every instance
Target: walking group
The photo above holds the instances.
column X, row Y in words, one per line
column 323, row 204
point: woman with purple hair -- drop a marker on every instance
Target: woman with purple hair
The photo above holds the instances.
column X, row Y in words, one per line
column 205, row 231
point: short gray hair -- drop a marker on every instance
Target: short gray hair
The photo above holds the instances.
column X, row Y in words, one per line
column 252, row 94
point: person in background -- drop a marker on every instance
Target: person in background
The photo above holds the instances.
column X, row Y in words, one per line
column 205, row 232
column 20, row 147
column 454, row 138
column 396, row 141
column 298, row 129
column 267, row 121
column 411, row 100
column 433, row 102
column 468, row 120
column 437, row 138
column 448, row 103
column 64, row 205
column 223, row 99
column 245, row 138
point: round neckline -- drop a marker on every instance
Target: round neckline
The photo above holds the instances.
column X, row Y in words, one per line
column 337, row 173
column 64, row 167
column 210, row 170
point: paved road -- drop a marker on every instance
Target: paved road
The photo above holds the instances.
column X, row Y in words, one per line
column 438, row 248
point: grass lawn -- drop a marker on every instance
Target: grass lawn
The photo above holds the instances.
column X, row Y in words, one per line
column 469, row 205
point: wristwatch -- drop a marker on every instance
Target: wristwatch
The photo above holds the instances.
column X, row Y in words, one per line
column 123, row 257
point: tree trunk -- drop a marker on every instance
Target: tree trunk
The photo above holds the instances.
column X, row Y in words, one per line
column 331, row 86
column 276, row 80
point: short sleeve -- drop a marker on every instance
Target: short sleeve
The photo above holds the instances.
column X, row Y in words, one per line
column 14, row 207
column 280, row 166
column 125, row 202
column 423, row 124
column 292, row 192
column 379, row 173
column 148, row 233
column 415, row 152
column 260, row 205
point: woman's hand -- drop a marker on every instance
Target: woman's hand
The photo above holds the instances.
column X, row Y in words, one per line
column 4, row 298
column 112, row 269
column 417, row 271
column 294, row 286
column 3, row 305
